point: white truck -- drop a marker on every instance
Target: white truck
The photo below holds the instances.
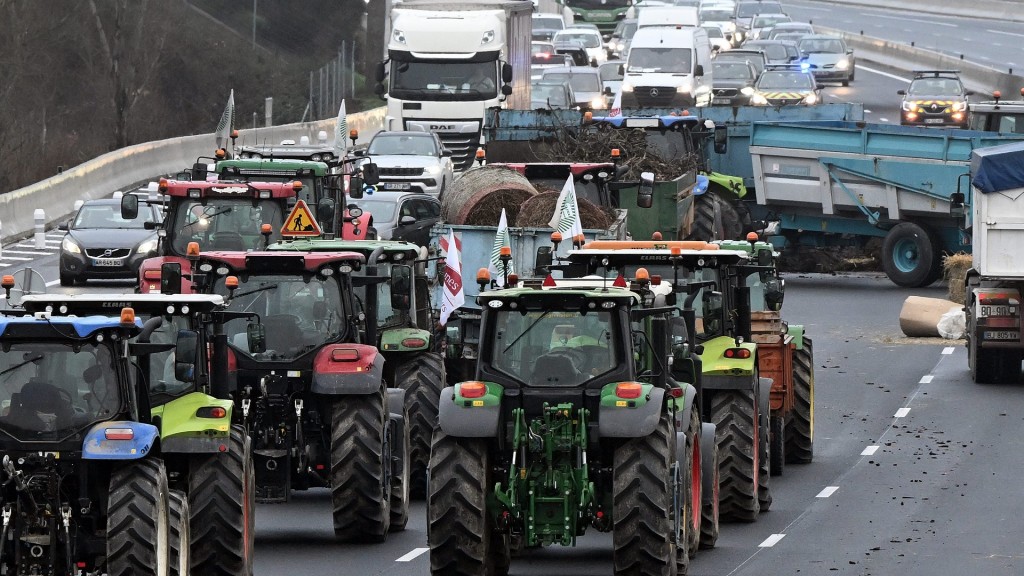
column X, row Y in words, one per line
column 448, row 61
column 995, row 284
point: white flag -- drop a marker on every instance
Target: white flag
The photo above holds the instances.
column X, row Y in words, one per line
column 501, row 238
column 452, row 296
column 227, row 120
column 616, row 105
column 566, row 218
column 341, row 132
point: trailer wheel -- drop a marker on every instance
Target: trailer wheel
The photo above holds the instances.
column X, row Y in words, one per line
column 777, row 433
column 714, row 218
column 692, row 481
column 422, row 377
column 179, row 540
column 909, row 256
column 460, row 530
column 800, row 428
column 709, row 528
column 222, row 509
column 734, row 413
column 138, row 531
column 360, row 467
column 646, row 527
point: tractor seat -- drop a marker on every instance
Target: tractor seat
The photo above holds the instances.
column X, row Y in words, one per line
column 227, row 241
column 283, row 332
column 555, row 370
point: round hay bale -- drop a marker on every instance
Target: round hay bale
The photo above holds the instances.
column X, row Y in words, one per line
column 537, row 211
column 954, row 270
column 478, row 195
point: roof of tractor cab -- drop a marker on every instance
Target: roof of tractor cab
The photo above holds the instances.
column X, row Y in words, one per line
column 188, row 188
column 283, row 262
column 258, row 165
column 570, row 297
column 56, row 327
column 395, row 250
column 107, row 304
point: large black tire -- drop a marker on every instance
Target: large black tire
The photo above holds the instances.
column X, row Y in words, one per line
column 422, row 377
column 138, row 532
column 777, row 432
column 734, row 413
column 714, row 218
column 179, row 538
column 643, row 519
column 993, row 366
column 400, row 484
column 709, row 512
column 460, row 530
column 67, row 279
column 360, row 468
column 692, row 495
column 910, row 256
column 764, row 490
column 222, row 507
column 800, row 428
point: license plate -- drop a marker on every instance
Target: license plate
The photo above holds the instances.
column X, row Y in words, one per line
column 934, row 121
column 1001, row 335
column 396, row 186
column 641, row 122
column 721, row 101
column 994, row 311
column 106, row 262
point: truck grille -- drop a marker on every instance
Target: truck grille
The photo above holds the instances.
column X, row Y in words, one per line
column 654, row 96
column 463, row 147
column 401, row 172
column 726, row 92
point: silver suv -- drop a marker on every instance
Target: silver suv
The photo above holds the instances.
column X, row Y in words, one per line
column 410, row 161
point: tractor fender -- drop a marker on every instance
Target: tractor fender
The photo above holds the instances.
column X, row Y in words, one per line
column 464, row 418
column 347, row 369
column 707, row 463
column 796, row 331
column 404, row 340
column 683, row 420
column 184, row 428
column 629, row 422
column 119, row 440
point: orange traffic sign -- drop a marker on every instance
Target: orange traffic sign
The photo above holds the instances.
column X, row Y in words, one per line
column 300, row 222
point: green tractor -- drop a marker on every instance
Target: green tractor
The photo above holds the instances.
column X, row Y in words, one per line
column 573, row 421
column 207, row 459
column 394, row 286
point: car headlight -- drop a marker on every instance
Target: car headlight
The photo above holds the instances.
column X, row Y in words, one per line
column 960, row 106
column 432, row 170
column 907, row 106
column 746, row 91
column 597, row 103
column 619, row 46
column 69, row 245
column 811, row 98
column 758, row 99
column 627, row 87
column 843, row 64
column 147, row 246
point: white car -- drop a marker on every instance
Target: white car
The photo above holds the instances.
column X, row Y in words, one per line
column 410, row 161
column 721, row 16
column 717, row 38
column 591, row 40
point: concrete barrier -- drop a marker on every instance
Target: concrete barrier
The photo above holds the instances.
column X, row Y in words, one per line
column 986, row 9
column 101, row 177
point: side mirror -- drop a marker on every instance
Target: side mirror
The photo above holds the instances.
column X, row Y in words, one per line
column 901, row 92
column 506, row 89
column 199, row 172
column 64, row 225
column 774, row 292
column 325, row 210
column 764, row 257
column 608, row 91
column 721, row 139
column 645, row 190
column 401, row 287
column 256, row 337
column 129, row 207
column 378, row 72
column 956, row 205
column 969, row 93
column 712, row 304
column 593, row 62
column 185, row 347
column 355, row 188
column 506, row 73
column 378, row 89
column 170, row 278
column 543, row 260
column 622, row 69
column 819, row 86
column 698, row 70
column 371, row 176
column 446, row 152
column 406, row 220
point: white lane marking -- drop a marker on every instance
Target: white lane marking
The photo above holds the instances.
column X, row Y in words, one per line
column 412, row 555
column 1007, row 33
column 52, row 283
column 880, row 73
column 932, row 22
column 901, row 412
column 883, row 119
column 948, row 350
column 36, row 253
column 926, row 379
column 870, row 450
column 19, row 258
column 828, row 491
column 771, row 541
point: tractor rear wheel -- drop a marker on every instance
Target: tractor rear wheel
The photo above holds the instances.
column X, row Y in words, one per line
column 777, row 451
column 222, row 509
column 138, row 530
column 692, row 484
column 400, row 483
column 709, row 528
column 360, row 467
column 460, row 529
column 646, row 529
column 734, row 413
column 422, row 377
column 714, row 218
column 800, row 428
column 179, row 540
column 764, row 489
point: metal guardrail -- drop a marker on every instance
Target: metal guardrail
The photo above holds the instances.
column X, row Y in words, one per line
column 986, row 9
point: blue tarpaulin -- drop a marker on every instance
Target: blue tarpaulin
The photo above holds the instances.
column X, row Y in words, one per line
column 998, row 168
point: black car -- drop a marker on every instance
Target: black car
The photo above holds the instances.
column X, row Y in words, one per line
column 100, row 244
column 935, row 98
column 733, row 83
column 576, row 50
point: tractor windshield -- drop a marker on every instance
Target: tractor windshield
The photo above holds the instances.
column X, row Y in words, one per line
column 554, row 347
column 50, row 390
column 162, row 380
column 299, row 314
column 223, row 223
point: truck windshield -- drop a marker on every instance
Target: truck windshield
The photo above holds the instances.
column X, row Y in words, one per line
column 443, row 80
column 48, row 390
column 554, row 347
column 298, row 314
column 598, row 4
column 223, row 223
column 666, row 60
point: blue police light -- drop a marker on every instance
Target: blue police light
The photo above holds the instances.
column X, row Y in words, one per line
column 805, row 66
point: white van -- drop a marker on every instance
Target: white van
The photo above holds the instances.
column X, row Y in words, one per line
column 667, row 67
column 686, row 16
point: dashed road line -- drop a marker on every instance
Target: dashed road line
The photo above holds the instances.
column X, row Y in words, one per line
column 926, row 379
column 412, row 555
column 881, row 73
column 34, row 252
column 19, row 258
column 771, row 541
column 1007, row 33
column 901, row 413
column 870, row 450
column 828, row 491
column 948, row 350
column 932, row 22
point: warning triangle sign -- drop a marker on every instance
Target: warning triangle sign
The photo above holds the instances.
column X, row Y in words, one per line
column 300, row 222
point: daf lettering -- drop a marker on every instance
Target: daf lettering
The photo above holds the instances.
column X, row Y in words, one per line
column 442, row 126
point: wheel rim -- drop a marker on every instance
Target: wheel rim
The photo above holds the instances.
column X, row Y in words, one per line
column 905, row 255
